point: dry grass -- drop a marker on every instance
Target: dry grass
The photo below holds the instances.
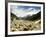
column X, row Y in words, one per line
column 25, row 25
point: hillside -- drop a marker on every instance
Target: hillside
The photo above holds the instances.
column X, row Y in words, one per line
column 28, row 17
column 28, row 23
column 34, row 17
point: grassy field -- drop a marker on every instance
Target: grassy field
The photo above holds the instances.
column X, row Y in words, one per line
column 25, row 25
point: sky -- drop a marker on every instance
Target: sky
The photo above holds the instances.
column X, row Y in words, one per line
column 22, row 11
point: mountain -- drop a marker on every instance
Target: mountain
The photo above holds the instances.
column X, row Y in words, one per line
column 34, row 17
column 28, row 17
column 13, row 16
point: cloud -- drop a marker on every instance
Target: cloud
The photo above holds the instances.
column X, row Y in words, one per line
column 22, row 11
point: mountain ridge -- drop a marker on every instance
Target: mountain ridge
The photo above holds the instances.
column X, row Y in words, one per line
column 28, row 17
